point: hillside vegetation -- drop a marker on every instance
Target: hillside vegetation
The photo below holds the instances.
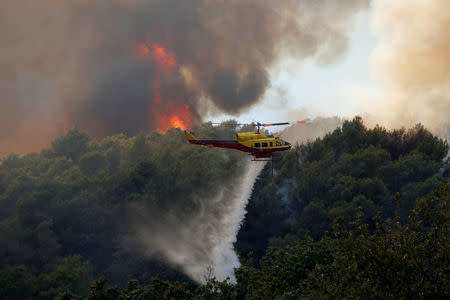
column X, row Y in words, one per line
column 328, row 178
column 350, row 214
column 68, row 212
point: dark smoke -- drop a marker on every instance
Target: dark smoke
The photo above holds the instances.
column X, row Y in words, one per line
column 65, row 63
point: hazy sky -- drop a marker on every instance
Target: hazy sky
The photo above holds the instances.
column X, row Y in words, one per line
column 167, row 63
column 302, row 89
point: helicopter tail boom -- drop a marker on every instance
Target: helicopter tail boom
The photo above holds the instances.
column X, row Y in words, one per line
column 187, row 134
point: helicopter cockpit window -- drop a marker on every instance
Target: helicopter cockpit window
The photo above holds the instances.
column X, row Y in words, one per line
column 278, row 143
column 257, row 145
column 264, row 144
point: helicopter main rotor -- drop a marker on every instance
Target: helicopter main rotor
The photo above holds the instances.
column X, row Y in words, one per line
column 258, row 125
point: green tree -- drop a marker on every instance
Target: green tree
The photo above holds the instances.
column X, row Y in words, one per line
column 73, row 274
column 93, row 162
column 409, row 261
column 73, row 145
column 17, row 283
column 215, row 290
column 315, row 219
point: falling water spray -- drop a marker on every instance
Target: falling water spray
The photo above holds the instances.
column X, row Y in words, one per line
column 224, row 258
column 201, row 245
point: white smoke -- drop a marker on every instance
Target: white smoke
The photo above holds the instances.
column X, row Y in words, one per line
column 204, row 243
column 302, row 133
column 410, row 65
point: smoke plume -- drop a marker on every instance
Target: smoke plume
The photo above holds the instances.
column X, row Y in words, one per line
column 204, row 242
column 303, row 133
column 134, row 66
column 411, row 63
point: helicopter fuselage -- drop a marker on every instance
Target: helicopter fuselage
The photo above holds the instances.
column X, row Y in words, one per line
column 257, row 144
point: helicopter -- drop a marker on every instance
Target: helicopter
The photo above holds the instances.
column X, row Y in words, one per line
column 260, row 145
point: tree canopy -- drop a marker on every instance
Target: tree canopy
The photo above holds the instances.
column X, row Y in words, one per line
column 351, row 213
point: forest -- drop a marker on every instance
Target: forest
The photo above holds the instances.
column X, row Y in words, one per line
column 357, row 211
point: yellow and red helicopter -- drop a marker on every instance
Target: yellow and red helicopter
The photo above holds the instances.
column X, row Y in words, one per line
column 260, row 145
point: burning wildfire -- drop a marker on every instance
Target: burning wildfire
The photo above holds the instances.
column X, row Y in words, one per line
column 166, row 59
column 170, row 112
column 180, row 117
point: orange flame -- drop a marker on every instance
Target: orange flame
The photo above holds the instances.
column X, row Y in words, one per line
column 178, row 117
column 169, row 112
column 142, row 51
column 165, row 58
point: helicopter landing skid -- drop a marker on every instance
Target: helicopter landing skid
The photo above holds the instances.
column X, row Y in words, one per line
column 272, row 159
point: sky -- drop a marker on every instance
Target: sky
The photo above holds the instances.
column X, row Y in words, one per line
column 133, row 67
column 303, row 89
